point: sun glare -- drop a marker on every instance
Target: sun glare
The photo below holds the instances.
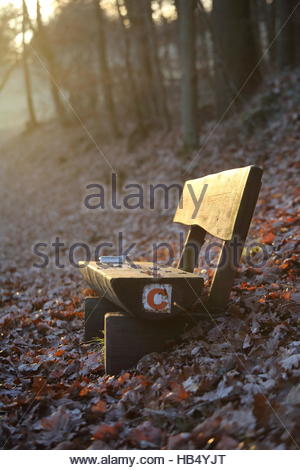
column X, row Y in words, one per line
column 47, row 6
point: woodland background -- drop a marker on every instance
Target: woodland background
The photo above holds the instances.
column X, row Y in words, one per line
column 156, row 91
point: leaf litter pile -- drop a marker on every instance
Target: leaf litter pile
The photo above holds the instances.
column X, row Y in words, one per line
column 233, row 383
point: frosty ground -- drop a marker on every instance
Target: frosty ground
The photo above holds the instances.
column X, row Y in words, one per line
column 234, row 381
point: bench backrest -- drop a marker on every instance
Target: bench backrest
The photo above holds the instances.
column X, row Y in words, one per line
column 222, row 205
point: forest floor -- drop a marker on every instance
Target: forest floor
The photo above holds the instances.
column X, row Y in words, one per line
column 234, row 382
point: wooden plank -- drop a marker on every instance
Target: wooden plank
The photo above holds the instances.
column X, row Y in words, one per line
column 190, row 253
column 232, row 249
column 144, row 270
column 94, row 310
column 128, row 287
column 221, row 201
column 128, row 339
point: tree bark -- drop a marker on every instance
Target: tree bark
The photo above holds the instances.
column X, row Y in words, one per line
column 107, row 82
column 296, row 21
column 129, row 69
column 166, row 41
column 187, row 41
column 41, row 36
column 288, row 38
column 27, row 76
column 137, row 11
column 271, row 29
column 235, row 41
column 160, row 91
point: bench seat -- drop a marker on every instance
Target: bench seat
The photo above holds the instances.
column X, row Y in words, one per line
column 143, row 289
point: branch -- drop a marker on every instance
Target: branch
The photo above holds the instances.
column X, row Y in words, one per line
column 7, row 75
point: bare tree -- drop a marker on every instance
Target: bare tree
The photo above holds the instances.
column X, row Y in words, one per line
column 288, row 22
column 27, row 77
column 45, row 47
column 160, row 90
column 271, row 29
column 296, row 21
column 129, row 69
column 235, row 42
column 187, row 40
column 137, row 12
column 165, row 32
column 107, row 82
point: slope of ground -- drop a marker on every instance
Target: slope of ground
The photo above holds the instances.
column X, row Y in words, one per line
column 234, row 383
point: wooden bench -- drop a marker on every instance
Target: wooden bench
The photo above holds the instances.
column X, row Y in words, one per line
column 143, row 307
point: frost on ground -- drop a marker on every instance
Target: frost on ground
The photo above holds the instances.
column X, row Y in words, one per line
column 234, row 381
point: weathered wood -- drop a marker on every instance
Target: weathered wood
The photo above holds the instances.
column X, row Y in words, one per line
column 221, row 202
column 232, row 249
column 94, row 310
column 228, row 201
column 128, row 287
column 190, row 253
column 128, row 339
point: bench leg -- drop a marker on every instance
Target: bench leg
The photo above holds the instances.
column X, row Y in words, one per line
column 128, row 339
column 94, row 310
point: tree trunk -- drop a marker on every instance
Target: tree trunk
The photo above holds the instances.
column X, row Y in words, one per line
column 27, row 77
column 235, row 41
column 288, row 38
column 160, row 91
column 166, row 41
column 187, row 40
column 256, row 14
column 137, row 11
column 47, row 52
column 107, row 82
column 260, row 32
column 130, row 73
column 271, row 30
column 296, row 21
